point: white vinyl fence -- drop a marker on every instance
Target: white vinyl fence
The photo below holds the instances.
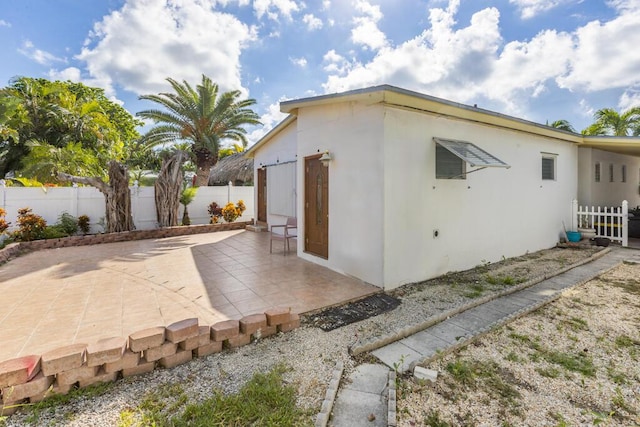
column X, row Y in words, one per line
column 52, row 201
column 608, row 221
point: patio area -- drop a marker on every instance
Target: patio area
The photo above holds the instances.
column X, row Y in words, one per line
column 55, row 297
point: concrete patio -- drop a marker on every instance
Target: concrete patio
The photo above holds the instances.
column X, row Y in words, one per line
column 55, row 297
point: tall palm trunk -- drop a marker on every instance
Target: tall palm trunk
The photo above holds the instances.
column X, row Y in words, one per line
column 205, row 160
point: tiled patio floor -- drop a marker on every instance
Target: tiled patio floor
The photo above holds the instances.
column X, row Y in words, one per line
column 61, row 296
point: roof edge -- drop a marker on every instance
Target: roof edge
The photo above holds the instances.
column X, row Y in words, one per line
column 269, row 135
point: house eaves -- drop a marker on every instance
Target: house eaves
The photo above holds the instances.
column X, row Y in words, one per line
column 406, row 99
column 629, row 145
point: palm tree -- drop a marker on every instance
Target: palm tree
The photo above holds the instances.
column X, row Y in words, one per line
column 562, row 125
column 609, row 122
column 201, row 116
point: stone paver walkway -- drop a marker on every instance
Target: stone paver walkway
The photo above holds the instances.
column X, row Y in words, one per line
column 408, row 352
column 364, row 393
column 62, row 296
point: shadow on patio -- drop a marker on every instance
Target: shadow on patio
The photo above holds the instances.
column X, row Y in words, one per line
column 61, row 296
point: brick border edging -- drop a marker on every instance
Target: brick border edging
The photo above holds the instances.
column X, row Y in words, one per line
column 405, row 332
column 392, row 417
column 15, row 249
column 33, row 378
column 323, row 416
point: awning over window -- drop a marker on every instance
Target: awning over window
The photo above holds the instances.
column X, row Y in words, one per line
column 470, row 153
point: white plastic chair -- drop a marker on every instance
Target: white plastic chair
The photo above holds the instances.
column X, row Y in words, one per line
column 290, row 231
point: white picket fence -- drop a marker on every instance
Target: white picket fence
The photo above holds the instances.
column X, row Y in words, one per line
column 609, row 221
column 52, row 201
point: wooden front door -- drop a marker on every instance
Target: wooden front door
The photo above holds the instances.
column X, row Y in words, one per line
column 316, row 207
column 262, row 195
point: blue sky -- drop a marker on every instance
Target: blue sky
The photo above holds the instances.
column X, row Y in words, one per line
column 540, row 60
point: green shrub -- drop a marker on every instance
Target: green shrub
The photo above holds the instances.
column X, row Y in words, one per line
column 84, row 224
column 54, row 232
column 67, row 223
column 30, row 226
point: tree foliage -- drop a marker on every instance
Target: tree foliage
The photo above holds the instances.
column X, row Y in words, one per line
column 203, row 117
column 609, row 122
column 45, row 123
column 562, row 125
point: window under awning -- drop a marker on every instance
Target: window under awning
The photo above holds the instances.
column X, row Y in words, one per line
column 470, row 153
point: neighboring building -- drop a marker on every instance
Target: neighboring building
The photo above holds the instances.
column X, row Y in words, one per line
column 235, row 168
column 416, row 186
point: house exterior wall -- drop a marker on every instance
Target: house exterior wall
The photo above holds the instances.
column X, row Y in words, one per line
column 385, row 202
column 494, row 213
column 353, row 135
column 606, row 193
column 281, row 149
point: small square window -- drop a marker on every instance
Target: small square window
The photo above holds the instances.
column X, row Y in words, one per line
column 448, row 165
column 597, row 172
column 548, row 167
column 610, row 172
column 623, row 171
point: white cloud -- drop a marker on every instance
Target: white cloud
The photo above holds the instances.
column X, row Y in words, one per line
column 531, row 8
column 441, row 61
column 275, row 8
column 312, row 22
column 4, row 23
column 606, row 55
column 473, row 64
column 629, row 99
column 269, row 120
column 366, row 31
column 140, row 45
column 326, row 4
column 300, row 62
column 40, row 56
column 336, row 64
column 624, row 5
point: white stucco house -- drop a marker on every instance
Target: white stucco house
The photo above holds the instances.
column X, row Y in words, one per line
column 414, row 186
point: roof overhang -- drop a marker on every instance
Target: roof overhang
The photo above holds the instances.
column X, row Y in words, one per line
column 629, row 145
column 406, row 99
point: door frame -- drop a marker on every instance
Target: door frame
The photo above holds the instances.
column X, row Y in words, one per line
column 261, row 210
column 310, row 194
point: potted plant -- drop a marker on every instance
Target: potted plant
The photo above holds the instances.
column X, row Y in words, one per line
column 187, row 196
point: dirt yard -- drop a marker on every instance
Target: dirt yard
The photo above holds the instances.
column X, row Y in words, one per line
column 574, row 362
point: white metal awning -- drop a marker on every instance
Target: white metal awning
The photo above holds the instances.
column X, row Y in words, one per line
column 470, row 153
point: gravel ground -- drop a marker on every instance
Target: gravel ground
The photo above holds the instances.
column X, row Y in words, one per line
column 574, row 362
column 310, row 352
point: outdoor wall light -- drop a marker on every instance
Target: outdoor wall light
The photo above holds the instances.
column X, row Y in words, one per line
column 325, row 158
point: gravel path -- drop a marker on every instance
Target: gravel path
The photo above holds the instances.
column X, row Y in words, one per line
column 574, row 362
column 310, row 352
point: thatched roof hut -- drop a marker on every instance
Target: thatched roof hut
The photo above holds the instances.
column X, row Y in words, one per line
column 235, row 168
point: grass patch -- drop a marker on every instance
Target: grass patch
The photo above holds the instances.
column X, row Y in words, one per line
column 619, row 401
column 433, row 420
column 489, row 376
column 549, row 372
column 475, row 290
column 578, row 362
column 624, row 341
column 630, row 286
column 513, row 357
column 576, row 323
column 502, row 280
column 263, row 401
